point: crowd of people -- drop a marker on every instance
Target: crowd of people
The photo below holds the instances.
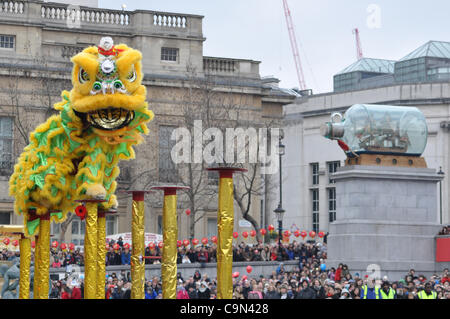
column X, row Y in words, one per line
column 307, row 282
column 445, row 231
column 309, row 279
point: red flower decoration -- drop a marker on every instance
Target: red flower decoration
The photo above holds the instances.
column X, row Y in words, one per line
column 80, row 211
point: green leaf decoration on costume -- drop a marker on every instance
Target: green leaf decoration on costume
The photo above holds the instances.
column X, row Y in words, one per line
column 59, row 215
column 73, row 185
column 109, row 157
column 108, row 171
column 62, row 180
column 54, row 190
column 32, row 225
column 122, row 149
column 95, row 153
column 94, row 141
column 94, row 168
column 38, row 180
column 58, row 141
column 42, row 158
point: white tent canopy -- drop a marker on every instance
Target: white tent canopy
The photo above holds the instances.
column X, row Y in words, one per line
column 126, row 238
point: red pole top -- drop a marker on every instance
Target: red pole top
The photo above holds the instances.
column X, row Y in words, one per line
column 170, row 189
column 226, row 172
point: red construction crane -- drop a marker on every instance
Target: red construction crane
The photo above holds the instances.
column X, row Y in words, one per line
column 298, row 65
column 359, row 53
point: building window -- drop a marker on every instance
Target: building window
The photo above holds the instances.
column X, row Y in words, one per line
column 332, row 168
column 7, row 41
column 167, row 168
column 6, row 145
column 332, row 204
column 78, row 230
column 315, row 173
column 169, row 54
column 212, row 227
column 315, row 209
column 5, row 218
column 213, row 178
column 160, row 225
column 111, row 222
column 55, row 229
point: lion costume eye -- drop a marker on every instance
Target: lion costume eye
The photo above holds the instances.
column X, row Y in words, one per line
column 83, row 76
column 132, row 76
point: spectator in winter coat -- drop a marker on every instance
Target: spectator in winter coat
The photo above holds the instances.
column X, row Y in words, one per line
column 182, row 293
column 150, row 293
column 338, row 274
column 306, row 292
column 125, row 258
column 271, row 293
column 203, row 291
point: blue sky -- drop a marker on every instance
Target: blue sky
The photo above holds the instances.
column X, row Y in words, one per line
column 256, row 29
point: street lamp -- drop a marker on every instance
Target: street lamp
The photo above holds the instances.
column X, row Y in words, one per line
column 280, row 211
column 440, row 194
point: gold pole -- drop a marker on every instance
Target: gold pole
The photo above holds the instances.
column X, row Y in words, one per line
column 36, row 268
column 25, row 261
column 90, row 250
column 138, row 246
column 170, row 236
column 225, row 225
column 169, row 255
column 44, row 257
column 101, row 255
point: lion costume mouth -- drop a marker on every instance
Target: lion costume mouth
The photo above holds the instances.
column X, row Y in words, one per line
column 110, row 118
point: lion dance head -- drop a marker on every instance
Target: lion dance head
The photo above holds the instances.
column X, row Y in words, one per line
column 74, row 155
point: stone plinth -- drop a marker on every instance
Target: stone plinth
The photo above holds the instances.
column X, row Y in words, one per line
column 387, row 217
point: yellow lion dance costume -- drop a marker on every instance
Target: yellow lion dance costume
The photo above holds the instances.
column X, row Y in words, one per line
column 74, row 155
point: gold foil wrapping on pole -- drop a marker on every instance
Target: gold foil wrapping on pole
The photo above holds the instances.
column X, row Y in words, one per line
column 90, row 251
column 25, row 261
column 44, row 259
column 36, row 268
column 169, row 257
column 138, row 246
column 225, row 224
column 101, row 256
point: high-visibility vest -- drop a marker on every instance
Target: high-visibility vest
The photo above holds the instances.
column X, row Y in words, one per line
column 389, row 295
column 377, row 290
column 423, row 295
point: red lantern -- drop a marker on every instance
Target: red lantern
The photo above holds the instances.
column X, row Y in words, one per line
column 252, row 233
column 107, row 246
column 160, row 245
column 126, row 246
column 263, row 231
column 271, row 228
column 214, row 239
column 245, row 234
column 64, row 247
column 33, row 244
column 6, row 241
column 312, row 234
column 297, row 233
column 249, row 269
column 80, row 211
column 195, row 241
column 55, row 244
column 151, row 245
column 186, row 242
column 116, row 247
column 235, row 234
column 303, row 234
column 15, row 243
column 204, row 241
column 71, row 246
column 188, row 212
column 236, row 274
column 287, row 233
column 179, row 243
column 244, row 277
column 321, row 234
